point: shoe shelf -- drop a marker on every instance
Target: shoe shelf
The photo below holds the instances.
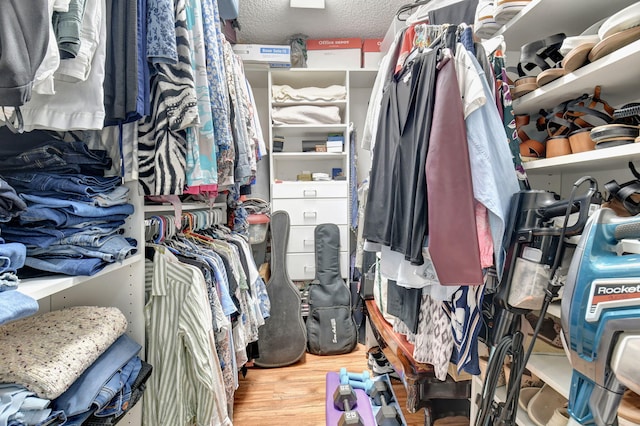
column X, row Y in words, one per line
column 522, row 418
column 554, row 370
column 542, row 18
column 554, row 309
column 616, row 73
column 39, row 288
column 589, row 161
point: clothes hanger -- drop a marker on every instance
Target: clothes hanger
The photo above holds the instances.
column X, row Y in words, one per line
column 422, row 13
column 409, row 7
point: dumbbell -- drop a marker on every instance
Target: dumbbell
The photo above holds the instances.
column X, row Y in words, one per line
column 345, row 399
column 345, row 376
column 366, row 386
column 381, row 395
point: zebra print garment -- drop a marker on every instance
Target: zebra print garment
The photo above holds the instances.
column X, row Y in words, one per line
column 162, row 139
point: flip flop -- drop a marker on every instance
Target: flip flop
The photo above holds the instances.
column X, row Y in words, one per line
column 547, row 76
column 577, row 57
column 614, row 42
column 624, row 19
column 525, row 397
column 544, row 404
column 505, row 10
column 522, row 86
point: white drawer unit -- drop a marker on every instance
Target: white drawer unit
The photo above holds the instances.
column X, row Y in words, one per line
column 336, row 189
column 311, row 203
column 301, row 239
column 313, row 211
column 302, row 266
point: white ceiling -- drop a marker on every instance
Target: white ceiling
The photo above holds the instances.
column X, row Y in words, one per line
column 273, row 21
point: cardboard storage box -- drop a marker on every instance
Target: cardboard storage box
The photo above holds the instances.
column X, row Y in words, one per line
column 371, row 55
column 336, row 53
column 278, row 56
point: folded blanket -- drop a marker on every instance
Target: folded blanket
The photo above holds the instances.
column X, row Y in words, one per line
column 306, row 114
column 286, row 93
column 46, row 353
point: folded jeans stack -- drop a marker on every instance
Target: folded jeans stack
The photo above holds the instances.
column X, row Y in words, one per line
column 13, row 304
column 71, row 224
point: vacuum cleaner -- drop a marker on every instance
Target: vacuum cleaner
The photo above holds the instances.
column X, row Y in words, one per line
column 601, row 317
column 535, row 248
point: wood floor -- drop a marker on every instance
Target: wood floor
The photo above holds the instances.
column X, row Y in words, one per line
column 295, row 395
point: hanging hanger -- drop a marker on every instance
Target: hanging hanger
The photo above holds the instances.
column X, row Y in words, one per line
column 422, row 13
column 409, row 7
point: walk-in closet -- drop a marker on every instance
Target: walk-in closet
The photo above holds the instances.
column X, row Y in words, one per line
column 319, row 212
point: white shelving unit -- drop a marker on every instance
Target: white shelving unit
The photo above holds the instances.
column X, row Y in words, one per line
column 616, row 74
column 612, row 72
column 542, row 18
column 40, row 288
column 120, row 285
column 316, row 202
column 554, row 370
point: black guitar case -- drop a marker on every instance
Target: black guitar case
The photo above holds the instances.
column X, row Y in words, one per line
column 331, row 329
column 282, row 339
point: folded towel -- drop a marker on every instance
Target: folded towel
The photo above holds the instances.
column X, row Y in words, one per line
column 306, row 114
column 46, row 353
column 286, row 93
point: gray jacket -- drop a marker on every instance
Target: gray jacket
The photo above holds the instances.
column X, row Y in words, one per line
column 24, row 35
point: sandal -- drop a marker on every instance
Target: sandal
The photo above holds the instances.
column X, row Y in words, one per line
column 549, row 331
column 529, row 148
column 576, row 114
column 539, row 55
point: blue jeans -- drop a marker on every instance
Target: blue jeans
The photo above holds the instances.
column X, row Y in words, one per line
column 59, row 156
column 92, row 237
column 61, row 184
column 58, row 218
column 110, row 403
column 20, row 407
column 102, row 380
column 12, row 257
column 50, row 209
column 15, row 305
column 10, row 203
column 67, row 265
column 115, row 248
column 8, row 281
column 42, row 236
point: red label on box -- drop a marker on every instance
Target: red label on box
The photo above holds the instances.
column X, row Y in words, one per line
column 334, row 43
column 371, row 45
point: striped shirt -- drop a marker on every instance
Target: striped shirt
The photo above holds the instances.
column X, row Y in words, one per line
column 186, row 387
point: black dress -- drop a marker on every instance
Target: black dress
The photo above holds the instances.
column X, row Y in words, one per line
column 396, row 213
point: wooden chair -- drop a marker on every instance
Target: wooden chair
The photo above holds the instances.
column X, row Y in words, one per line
column 424, row 390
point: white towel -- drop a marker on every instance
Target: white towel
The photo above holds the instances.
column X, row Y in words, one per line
column 287, row 93
column 306, row 114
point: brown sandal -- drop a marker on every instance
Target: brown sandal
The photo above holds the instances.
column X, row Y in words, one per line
column 529, row 148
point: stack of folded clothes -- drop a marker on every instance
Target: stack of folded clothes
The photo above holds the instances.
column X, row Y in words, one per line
column 73, row 366
column 73, row 217
column 13, row 304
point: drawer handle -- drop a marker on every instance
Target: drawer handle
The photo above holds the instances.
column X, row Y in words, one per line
column 310, row 214
column 310, row 193
column 309, row 268
column 307, row 242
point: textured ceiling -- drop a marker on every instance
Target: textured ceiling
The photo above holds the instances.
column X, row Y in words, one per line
column 273, row 21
